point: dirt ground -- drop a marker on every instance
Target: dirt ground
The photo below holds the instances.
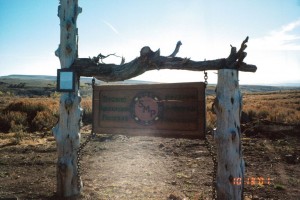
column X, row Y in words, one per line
column 121, row 167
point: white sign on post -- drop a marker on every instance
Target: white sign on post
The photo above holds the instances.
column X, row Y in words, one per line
column 65, row 80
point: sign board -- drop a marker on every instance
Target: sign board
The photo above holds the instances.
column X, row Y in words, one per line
column 166, row 110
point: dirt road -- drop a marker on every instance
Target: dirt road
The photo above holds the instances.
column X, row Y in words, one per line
column 120, row 167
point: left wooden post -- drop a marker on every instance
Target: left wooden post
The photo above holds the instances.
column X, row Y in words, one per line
column 67, row 130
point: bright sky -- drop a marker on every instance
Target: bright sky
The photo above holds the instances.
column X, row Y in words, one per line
column 29, row 35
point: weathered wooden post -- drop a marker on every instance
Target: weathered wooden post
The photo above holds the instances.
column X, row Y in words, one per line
column 228, row 103
column 66, row 132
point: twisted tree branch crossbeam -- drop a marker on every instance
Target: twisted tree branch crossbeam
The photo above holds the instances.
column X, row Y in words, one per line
column 150, row 60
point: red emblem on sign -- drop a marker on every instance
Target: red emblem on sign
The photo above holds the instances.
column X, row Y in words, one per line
column 146, row 108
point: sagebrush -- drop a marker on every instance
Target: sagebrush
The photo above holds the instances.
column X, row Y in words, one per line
column 41, row 114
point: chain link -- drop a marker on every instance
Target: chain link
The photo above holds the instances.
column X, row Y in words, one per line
column 79, row 157
column 205, row 78
column 81, row 147
column 213, row 155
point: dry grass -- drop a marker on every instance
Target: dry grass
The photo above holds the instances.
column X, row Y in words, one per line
column 210, row 116
column 29, row 114
column 283, row 107
column 41, row 114
column 86, row 104
column 28, row 139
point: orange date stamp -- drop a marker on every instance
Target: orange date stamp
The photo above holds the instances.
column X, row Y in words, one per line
column 252, row 181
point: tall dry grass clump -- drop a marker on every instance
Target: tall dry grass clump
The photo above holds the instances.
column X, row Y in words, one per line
column 86, row 104
column 29, row 115
column 36, row 114
column 210, row 115
column 12, row 121
column 282, row 107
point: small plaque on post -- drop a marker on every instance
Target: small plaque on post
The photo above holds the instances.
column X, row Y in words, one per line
column 65, row 80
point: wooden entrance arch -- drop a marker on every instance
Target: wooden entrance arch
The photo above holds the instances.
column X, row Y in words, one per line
column 228, row 102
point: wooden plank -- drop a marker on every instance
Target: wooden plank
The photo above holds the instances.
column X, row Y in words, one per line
column 165, row 110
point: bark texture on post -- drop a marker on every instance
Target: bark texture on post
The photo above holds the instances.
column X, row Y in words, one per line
column 66, row 132
column 228, row 105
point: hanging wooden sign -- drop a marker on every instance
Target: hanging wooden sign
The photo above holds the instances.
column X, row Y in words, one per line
column 165, row 110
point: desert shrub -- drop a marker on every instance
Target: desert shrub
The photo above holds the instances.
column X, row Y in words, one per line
column 19, row 85
column 87, row 116
column 44, row 120
column 263, row 114
column 8, row 93
column 13, row 121
column 55, row 95
column 280, row 117
column 38, row 115
column 210, row 120
column 17, row 138
column 15, row 127
column 252, row 114
column 4, row 124
column 29, row 107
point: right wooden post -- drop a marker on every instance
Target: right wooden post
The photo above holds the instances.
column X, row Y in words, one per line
column 228, row 106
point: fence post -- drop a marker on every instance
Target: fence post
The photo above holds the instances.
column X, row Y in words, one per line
column 228, row 106
column 66, row 132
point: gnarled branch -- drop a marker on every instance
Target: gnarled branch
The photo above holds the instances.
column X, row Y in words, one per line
column 176, row 49
column 150, row 60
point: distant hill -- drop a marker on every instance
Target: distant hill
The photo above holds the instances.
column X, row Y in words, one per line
column 44, row 85
column 34, row 77
column 265, row 88
column 53, row 78
column 29, row 77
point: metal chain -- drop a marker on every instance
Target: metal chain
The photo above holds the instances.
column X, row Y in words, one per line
column 213, row 156
column 212, row 153
column 205, row 77
column 81, row 147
